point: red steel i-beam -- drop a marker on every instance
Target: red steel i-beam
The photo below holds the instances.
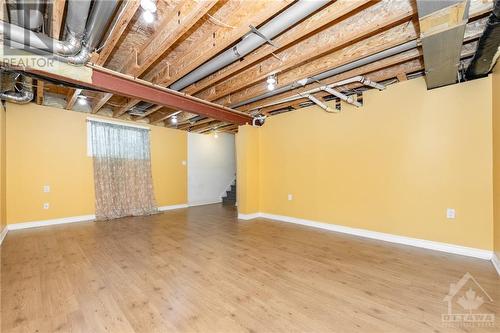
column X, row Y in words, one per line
column 123, row 85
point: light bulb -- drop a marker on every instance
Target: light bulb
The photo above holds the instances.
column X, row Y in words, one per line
column 216, row 135
column 148, row 17
column 270, row 87
column 271, row 80
column 174, row 119
column 148, row 5
column 82, row 100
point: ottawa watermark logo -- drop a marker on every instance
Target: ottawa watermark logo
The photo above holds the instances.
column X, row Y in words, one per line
column 464, row 300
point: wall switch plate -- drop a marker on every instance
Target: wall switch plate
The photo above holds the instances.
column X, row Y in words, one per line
column 46, row 205
column 46, row 188
column 450, row 213
column 290, row 197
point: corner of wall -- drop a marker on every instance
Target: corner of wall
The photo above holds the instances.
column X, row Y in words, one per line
column 248, row 169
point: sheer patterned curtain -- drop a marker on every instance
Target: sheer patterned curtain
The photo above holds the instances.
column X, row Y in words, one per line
column 122, row 170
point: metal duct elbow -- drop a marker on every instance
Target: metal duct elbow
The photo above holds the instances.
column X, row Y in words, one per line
column 78, row 11
column 487, row 51
column 23, row 96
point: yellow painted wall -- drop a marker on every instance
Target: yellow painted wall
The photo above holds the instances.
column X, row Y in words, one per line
column 48, row 146
column 3, row 216
column 394, row 166
column 248, row 174
column 496, row 156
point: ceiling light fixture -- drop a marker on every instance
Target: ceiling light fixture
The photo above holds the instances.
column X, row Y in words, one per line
column 216, row 135
column 148, row 17
column 82, row 100
column 174, row 120
column 148, row 5
column 271, row 82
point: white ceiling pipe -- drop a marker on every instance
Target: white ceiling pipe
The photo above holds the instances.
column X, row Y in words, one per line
column 289, row 17
column 334, row 71
column 360, row 79
column 321, row 104
column 345, row 98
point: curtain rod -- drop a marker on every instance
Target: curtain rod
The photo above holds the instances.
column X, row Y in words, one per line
column 101, row 120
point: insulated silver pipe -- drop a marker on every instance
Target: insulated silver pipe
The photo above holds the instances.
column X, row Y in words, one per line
column 22, row 97
column 102, row 13
column 78, row 11
column 294, row 14
column 27, row 14
column 99, row 21
column 338, row 70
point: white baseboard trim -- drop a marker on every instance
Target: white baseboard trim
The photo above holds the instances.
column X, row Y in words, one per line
column 43, row 223
column 496, row 262
column 172, row 207
column 206, row 202
column 3, row 233
column 422, row 243
column 249, row 216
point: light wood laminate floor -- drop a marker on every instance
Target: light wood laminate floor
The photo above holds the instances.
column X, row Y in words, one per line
column 200, row 270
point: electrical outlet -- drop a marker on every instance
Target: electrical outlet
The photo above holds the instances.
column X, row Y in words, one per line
column 290, row 197
column 46, row 188
column 450, row 213
column 46, row 205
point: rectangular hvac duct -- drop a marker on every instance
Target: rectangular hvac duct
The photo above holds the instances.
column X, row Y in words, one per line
column 442, row 28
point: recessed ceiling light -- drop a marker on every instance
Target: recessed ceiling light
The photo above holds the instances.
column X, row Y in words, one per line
column 148, row 17
column 148, row 5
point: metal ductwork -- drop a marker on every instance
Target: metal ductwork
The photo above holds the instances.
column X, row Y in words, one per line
column 335, row 71
column 77, row 14
column 28, row 14
column 442, row 27
column 254, row 39
column 81, row 37
column 13, row 94
column 488, row 48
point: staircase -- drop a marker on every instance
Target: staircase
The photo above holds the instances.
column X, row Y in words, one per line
column 230, row 198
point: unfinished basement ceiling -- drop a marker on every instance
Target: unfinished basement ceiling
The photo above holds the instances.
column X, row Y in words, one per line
column 187, row 34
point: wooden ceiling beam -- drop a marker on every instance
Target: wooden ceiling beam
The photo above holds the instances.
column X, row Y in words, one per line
column 172, row 28
column 150, row 111
column 346, row 55
column 126, row 15
column 182, row 117
column 320, row 20
column 39, row 92
column 188, row 14
column 376, row 19
column 57, row 18
column 356, row 51
column 199, row 127
column 71, row 98
column 162, row 115
column 124, row 108
column 262, row 10
column 188, row 125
